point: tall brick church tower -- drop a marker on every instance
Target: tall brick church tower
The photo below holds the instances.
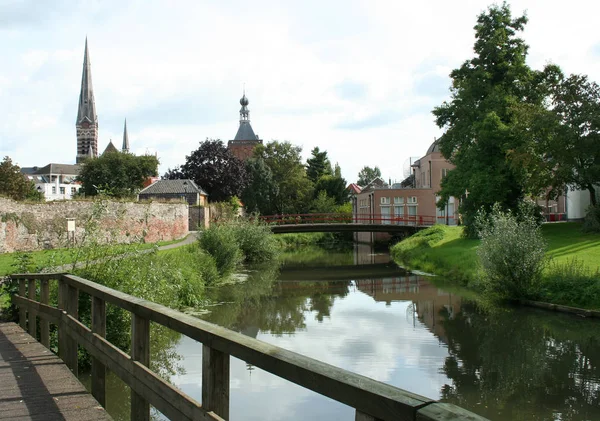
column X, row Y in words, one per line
column 245, row 140
column 87, row 120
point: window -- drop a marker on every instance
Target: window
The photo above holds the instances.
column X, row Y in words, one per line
column 53, row 189
column 62, row 190
column 412, row 215
column 398, row 200
column 412, row 199
column 73, row 190
column 399, row 214
column 385, row 215
column 444, row 172
column 385, row 200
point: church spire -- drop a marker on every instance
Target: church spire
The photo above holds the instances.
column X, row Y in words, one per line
column 125, row 148
column 87, row 120
column 87, row 106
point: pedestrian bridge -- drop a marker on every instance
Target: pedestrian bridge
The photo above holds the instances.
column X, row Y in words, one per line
column 336, row 222
column 37, row 301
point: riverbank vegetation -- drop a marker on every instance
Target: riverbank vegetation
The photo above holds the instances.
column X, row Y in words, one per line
column 570, row 277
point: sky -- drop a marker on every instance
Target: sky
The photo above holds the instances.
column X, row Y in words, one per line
column 358, row 79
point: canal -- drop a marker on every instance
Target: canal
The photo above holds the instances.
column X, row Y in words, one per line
column 356, row 310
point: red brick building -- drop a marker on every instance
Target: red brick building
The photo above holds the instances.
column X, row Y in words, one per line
column 380, row 203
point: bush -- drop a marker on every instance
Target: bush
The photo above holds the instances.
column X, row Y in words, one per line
column 220, row 241
column 591, row 223
column 511, row 254
column 256, row 241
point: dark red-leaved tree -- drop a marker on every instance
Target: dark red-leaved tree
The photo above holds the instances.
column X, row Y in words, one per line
column 215, row 169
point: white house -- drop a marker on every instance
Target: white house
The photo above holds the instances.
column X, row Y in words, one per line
column 54, row 181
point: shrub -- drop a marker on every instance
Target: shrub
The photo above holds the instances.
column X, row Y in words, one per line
column 511, row 254
column 591, row 223
column 256, row 241
column 220, row 241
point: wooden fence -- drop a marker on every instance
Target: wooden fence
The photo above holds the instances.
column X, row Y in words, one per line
column 371, row 399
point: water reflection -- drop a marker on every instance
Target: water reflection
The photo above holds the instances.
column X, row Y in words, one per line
column 505, row 364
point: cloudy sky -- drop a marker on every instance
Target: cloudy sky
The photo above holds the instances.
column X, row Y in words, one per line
column 356, row 78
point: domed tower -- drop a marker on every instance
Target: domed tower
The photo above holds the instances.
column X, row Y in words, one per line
column 245, row 140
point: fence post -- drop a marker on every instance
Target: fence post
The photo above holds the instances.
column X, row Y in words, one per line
column 62, row 333
column 22, row 309
column 361, row 416
column 215, row 381
column 140, row 351
column 71, row 343
column 31, row 314
column 98, row 369
column 44, row 323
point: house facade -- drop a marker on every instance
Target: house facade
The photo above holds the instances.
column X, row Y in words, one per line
column 54, row 181
column 381, row 203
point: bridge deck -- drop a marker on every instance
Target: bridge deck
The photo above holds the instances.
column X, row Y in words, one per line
column 36, row 385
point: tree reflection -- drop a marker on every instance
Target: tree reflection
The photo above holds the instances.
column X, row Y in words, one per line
column 523, row 365
column 278, row 308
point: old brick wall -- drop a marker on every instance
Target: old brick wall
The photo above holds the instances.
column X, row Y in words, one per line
column 26, row 227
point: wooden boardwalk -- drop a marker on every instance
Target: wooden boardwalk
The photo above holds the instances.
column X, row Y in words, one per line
column 36, row 385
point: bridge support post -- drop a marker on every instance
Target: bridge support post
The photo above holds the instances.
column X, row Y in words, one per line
column 361, row 416
column 215, row 381
column 98, row 369
column 140, row 351
column 44, row 323
column 71, row 343
column 22, row 309
column 32, row 314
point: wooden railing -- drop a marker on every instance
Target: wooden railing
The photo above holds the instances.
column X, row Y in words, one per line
column 372, row 400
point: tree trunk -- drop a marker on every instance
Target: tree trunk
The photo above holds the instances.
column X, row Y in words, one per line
column 592, row 191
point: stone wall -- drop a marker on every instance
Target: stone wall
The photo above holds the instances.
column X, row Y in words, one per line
column 26, row 227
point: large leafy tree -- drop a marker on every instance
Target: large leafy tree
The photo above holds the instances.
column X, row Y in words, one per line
column 14, row 184
column 294, row 189
column 318, row 165
column 259, row 196
column 116, row 174
column 334, row 187
column 368, row 174
column 480, row 117
column 562, row 141
column 214, row 168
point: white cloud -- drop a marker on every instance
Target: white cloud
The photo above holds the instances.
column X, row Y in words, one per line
column 176, row 70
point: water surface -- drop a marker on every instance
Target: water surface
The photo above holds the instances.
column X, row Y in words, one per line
column 356, row 311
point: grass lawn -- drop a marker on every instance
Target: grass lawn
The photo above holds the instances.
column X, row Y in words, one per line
column 57, row 257
column 443, row 251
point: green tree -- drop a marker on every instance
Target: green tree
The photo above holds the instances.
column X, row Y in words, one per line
column 294, row 189
column 116, row 174
column 259, row 196
column 368, row 174
column 480, row 117
column 14, row 184
column 318, row 165
column 334, row 187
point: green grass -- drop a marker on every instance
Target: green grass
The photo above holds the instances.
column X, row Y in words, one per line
column 572, row 277
column 58, row 257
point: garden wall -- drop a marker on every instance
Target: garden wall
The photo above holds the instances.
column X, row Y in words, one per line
column 27, row 227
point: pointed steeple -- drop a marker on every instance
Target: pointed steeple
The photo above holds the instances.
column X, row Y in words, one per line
column 87, row 120
column 125, row 148
column 87, row 105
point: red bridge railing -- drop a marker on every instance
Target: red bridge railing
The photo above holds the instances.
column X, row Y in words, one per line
column 339, row 218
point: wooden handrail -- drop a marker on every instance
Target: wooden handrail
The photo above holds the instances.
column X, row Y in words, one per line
column 372, row 400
